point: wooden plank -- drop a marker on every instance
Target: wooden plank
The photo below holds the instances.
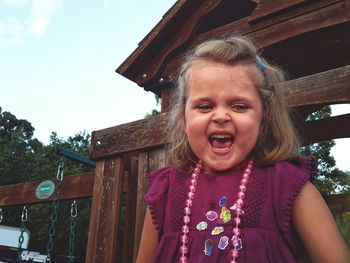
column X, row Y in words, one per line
column 167, row 36
column 325, row 17
column 339, row 202
column 268, row 7
column 129, row 230
column 148, row 161
column 145, row 133
column 74, row 186
column 326, row 129
column 151, row 36
column 175, row 40
column 105, row 211
column 329, row 87
column 309, row 17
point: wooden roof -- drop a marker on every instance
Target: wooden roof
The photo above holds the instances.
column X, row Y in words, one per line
column 304, row 37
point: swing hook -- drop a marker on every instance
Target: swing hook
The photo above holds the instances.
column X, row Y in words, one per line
column 74, row 209
column 1, row 215
column 24, row 216
column 60, row 170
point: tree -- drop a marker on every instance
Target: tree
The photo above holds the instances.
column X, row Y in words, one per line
column 329, row 179
column 17, row 148
column 24, row 159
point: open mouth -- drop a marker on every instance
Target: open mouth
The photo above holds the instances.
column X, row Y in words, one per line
column 221, row 141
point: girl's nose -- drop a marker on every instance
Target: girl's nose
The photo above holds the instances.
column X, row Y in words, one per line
column 221, row 115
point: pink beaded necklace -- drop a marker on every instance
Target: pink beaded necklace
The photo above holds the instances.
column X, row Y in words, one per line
column 237, row 207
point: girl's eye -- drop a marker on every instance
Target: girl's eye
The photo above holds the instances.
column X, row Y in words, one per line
column 204, row 107
column 239, row 107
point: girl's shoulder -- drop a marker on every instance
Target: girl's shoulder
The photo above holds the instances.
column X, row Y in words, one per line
column 166, row 173
column 304, row 167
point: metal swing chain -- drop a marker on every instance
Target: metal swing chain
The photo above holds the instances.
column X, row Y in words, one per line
column 1, row 215
column 56, row 203
column 72, row 227
column 24, row 219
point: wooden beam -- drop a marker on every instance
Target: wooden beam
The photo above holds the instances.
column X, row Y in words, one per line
column 312, row 16
column 339, row 202
column 331, row 86
column 105, row 211
column 148, row 161
column 325, row 17
column 164, row 43
column 74, row 186
column 145, row 133
column 268, row 7
column 326, row 129
column 131, row 211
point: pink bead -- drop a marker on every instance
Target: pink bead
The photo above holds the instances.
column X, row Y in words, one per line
column 190, row 195
column 192, row 188
column 241, row 194
column 236, row 231
column 184, row 239
column 186, row 219
column 239, row 202
column 183, row 249
column 185, row 229
column 247, row 171
column 193, row 182
column 197, row 170
column 187, row 210
column 194, row 176
column 234, row 253
column 243, row 188
column 237, row 220
column 183, row 259
column 239, row 211
column 246, row 176
column 233, row 261
column 244, row 181
column 189, row 202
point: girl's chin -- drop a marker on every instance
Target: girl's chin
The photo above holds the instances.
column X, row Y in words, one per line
column 222, row 166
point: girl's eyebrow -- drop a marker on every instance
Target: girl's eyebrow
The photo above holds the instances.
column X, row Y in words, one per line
column 233, row 98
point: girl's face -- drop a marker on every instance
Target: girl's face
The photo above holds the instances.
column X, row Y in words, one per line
column 223, row 113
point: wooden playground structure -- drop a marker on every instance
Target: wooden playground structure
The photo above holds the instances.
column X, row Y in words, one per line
column 309, row 39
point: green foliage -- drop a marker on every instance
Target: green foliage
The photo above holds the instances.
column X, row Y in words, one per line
column 155, row 112
column 24, row 159
column 343, row 223
column 329, row 179
column 17, row 148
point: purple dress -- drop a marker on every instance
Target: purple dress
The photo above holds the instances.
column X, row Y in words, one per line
column 266, row 230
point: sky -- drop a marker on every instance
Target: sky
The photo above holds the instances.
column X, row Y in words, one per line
column 58, row 61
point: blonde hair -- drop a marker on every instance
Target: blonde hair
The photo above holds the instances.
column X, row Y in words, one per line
column 277, row 139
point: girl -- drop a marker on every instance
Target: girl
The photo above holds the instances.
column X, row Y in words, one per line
column 238, row 190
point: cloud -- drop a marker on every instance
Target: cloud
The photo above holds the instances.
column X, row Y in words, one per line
column 41, row 15
column 13, row 2
column 11, row 31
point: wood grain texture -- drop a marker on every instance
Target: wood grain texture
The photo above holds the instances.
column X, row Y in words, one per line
column 326, row 129
column 329, row 87
column 306, row 18
column 130, row 217
column 72, row 187
column 105, row 211
column 142, row 134
column 269, row 7
column 148, row 161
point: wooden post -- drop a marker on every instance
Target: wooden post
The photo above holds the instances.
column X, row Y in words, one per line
column 129, row 230
column 148, row 161
column 105, row 211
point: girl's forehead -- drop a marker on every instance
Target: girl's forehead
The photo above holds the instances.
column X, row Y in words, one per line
column 238, row 72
